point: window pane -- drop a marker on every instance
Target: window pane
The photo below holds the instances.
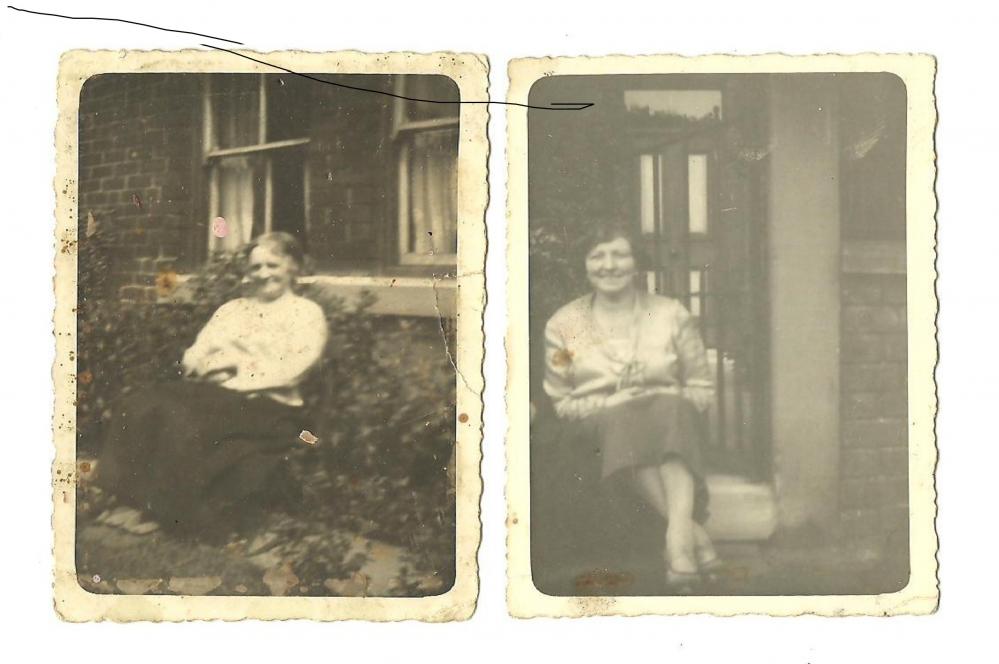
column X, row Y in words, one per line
column 695, row 292
column 419, row 86
column 648, row 196
column 697, row 193
column 651, row 282
column 433, row 193
column 686, row 104
column 288, row 106
column 236, row 110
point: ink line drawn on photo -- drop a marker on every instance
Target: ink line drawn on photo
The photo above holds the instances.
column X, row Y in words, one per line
column 552, row 106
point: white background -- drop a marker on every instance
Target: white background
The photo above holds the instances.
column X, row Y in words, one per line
column 960, row 34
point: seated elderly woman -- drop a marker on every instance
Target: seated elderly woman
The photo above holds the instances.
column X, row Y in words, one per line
column 203, row 453
column 627, row 370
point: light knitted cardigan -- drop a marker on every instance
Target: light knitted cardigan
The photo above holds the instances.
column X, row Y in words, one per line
column 268, row 346
column 664, row 354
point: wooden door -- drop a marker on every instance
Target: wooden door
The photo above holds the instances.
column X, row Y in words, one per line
column 701, row 211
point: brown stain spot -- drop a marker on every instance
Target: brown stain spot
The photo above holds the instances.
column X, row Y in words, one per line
column 463, row 418
column 562, row 357
column 602, row 579
column 85, row 377
column 68, row 246
column 516, row 521
column 166, row 283
column 308, row 437
column 738, row 573
column 84, row 466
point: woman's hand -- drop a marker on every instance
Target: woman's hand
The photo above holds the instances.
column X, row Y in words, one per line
column 627, row 395
column 215, row 368
column 218, row 376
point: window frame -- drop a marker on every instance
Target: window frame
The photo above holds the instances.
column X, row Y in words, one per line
column 212, row 156
column 402, row 132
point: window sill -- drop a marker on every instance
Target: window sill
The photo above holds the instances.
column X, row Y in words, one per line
column 396, row 296
column 423, row 297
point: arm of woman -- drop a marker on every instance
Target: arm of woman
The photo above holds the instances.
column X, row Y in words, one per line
column 205, row 355
column 558, row 381
column 288, row 354
column 698, row 385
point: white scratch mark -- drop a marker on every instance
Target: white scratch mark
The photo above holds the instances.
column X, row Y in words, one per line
column 440, row 321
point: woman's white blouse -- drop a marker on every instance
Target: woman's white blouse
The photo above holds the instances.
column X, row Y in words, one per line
column 664, row 354
column 270, row 346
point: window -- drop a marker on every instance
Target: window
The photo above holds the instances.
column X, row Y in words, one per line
column 427, row 137
column 255, row 133
column 680, row 104
column 367, row 181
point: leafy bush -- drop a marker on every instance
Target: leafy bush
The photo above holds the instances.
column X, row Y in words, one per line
column 384, row 411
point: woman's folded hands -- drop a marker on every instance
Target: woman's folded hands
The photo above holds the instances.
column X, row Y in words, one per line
column 638, row 393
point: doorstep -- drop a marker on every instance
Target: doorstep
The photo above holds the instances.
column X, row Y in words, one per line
column 741, row 510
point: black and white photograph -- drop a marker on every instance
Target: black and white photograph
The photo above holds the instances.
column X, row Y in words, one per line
column 718, row 376
column 267, row 339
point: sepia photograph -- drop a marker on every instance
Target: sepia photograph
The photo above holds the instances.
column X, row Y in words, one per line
column 717, row 397
column 267, row 334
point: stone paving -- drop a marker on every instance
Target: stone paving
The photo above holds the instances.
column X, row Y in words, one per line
column 111, row 560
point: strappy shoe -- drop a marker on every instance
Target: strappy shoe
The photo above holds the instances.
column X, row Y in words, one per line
column 711, row 569
column 682, row 583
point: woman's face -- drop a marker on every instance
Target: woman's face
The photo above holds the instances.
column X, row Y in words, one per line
column 270, row 274
column 610, row 267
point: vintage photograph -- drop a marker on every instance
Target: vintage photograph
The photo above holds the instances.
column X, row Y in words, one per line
column 720, row 352
column 267, row 332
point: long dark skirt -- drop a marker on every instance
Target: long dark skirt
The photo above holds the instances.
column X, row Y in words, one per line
column 585, row 511
column 198, row 457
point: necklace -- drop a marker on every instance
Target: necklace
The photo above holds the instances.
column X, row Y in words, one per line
column 631, row 372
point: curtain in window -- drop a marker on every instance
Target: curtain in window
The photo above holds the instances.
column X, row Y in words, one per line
column 236, row 202
column 433, row 188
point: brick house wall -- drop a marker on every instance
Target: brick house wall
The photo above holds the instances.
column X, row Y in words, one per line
column 349, row 159
column 138, row 166
column 873, row 348
column 874, row 458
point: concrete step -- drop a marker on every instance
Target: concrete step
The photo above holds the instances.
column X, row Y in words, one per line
column 741, row 510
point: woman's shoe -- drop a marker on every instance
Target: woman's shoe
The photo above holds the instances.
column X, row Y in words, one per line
column 682, row 583
column 711, row 569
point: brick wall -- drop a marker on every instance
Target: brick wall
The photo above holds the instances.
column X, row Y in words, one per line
column 874, row 468
column 351, row 206
column 138, row 165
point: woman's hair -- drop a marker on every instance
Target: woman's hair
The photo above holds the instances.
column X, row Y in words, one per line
column 283, row 244
column 601, row 232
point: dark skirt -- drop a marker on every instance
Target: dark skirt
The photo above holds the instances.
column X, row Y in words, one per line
column 199, row 457
column 648, row 432
column 585, row 509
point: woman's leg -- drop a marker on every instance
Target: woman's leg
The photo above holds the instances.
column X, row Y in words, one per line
column 679, row 485
column 669, row 489
column 706, row 553
column 650, row 487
